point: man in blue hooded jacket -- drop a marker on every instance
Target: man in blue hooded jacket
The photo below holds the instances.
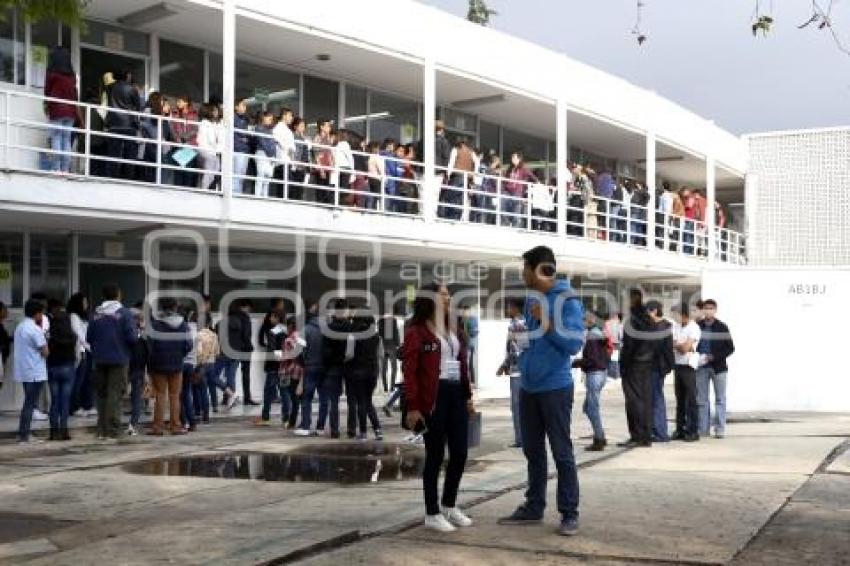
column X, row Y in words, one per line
column 555, row 320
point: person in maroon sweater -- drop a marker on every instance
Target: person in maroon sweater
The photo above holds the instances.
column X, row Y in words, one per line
column 61, row 83
column 439, row 399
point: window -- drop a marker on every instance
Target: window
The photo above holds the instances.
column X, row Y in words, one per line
column 391, row 117
column 180, row 257
column 356, row 282
column 105, row 247
column 320, row 283
column 115, row 38
column 221, row 284
column 321, row 101
column 489, row 137
column 394, row 286
column 12, row 269
column 45, row 36
column 216, row 75
column 263, row 87
column 356, row 112
column 50, row 266
column 181, row 70
column 533, row 148
column 12, row 63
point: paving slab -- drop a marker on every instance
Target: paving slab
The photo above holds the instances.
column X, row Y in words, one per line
column 647, row 515
column 814, row 528
column 841, row 465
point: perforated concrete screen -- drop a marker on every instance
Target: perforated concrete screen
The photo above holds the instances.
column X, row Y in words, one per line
column 800, row 194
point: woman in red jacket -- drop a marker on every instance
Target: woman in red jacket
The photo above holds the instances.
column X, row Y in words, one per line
column 61, row 82
column 439, row 399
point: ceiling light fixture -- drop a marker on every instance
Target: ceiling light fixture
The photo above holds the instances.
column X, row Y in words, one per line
column 148, row 15
column 323, row 57
column 480, row 101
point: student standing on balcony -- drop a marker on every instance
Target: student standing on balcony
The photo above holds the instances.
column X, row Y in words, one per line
column 61, row 82
column 265, row 153
column 301, row 159
column 516, row 187
column 284, row 139
column 210, row 144
column 689, row 224
column 159, row 110
column 185, row 130
column 241, row 145
column 376, row 174
column 463, row 162
column 323, row 158
column 344, row 160
column 123, row 120
column 393, row 171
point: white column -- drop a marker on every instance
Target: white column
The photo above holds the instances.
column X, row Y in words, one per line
column 228, row 94
column 562, row 155
column 710, row 197
column 750, row 228
column 153, row 79
column 650, row 187
column 430, row 194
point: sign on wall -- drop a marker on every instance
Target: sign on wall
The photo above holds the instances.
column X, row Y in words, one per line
column 6, row 283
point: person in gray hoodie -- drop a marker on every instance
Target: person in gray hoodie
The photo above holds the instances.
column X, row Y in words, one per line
column 169, row 343
column 314, row 372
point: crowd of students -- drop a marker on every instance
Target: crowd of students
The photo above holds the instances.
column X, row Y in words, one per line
column 154, row 139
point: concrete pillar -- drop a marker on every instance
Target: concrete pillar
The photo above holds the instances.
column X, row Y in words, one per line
column 562, row 153
column 710, row 197
column 430, row 194
column 228, row 95
column 650, row 187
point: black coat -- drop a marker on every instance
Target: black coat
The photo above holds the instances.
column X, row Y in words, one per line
column 123, row 96
column 638, row 345
column 5, row 343
column 334, row 343
column 365, row 362
column 717, row 341
column 664, row 356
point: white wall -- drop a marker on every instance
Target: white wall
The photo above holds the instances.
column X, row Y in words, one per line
column 789, row 328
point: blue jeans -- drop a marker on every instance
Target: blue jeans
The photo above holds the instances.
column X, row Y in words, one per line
column 547, row 414
column 213, row 380
column 82, row 396
column 594, row 382
column 313, row 378
column 32, row 390
column 187, row 406
column 272, row 385
column 705, row 376
column 230, row 366
column 659, row 409
column 60, row 140
column 516, row 392
column 137, row 385
column 329, row 395
column 61, row 382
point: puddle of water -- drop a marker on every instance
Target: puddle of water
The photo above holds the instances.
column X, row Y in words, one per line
column 341, row 463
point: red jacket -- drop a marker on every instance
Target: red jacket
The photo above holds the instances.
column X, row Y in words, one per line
column 421, row 368
column 57, row 85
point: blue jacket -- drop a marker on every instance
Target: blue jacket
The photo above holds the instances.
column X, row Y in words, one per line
column 111, row 334
column 313, row 354
column 545, row 364
column 265, row 144
column 393, row 170
column 241, row 141
column 168, row 344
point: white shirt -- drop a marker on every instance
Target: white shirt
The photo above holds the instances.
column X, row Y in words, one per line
column 211, row 136
column 343, row 157
column 285, row 141
column 680, row 336
column 449, row 351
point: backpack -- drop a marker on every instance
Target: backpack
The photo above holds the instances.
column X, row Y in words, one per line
column 63, row 340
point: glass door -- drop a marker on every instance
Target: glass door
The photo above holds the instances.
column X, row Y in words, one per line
column 94, row 63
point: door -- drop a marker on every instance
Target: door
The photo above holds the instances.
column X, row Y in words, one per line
column 130, row 278
column 94, row 63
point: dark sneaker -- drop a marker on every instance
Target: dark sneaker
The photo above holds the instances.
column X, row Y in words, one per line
column 522, row 516
column 630, row 443
column 691, row 438
column 597, row 446
column 568, row 528
column 678, row 435
column 388, row 412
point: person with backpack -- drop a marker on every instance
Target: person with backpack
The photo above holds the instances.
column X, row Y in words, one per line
column 61, row 371
column 594, row 364
column 111, row 335
column 547, row 389
column 169, row 344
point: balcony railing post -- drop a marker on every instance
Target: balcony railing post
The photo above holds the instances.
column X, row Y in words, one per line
column 87, row 134
column 6, row 131
column 159, row 150
column 629, row 223
column 666, row 235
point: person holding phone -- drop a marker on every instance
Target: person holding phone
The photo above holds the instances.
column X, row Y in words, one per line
column 439, row 400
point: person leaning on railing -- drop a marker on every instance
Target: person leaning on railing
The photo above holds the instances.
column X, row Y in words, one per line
column 185, row 129
column 157, row 127
column 210, row 144
column 61, row 82
column 516, row 187
column 122, row 122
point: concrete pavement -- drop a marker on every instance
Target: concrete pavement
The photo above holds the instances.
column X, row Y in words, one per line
column 712, row 502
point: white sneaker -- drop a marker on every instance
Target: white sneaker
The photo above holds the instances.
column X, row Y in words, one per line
column 232, row 401
column 131, row 431
column 438, row 523
column 38, row 415
column 456, row 517
column 302, row 432
column 33, row 441
column 91, row 413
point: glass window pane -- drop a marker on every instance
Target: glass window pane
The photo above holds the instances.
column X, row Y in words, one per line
column 321, row 101
column 394, row 284
column 492, row 301
column 317, row 285
column 355, row 109
column 264, row 88
column 44, row 37
column 105, row 247
column 115, row 38
column 12, row 269
column 489, row 137
column 11, row 49
column 391, row 117
column 50, row 266
column 459, row 122
column 179, row 257
column 216, row 76
column 533, row 148
column 221, row 284
column 181, row 70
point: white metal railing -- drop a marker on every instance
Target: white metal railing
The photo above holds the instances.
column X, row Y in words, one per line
column 148, row 152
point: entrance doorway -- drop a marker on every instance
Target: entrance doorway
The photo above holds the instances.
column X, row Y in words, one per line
column 95, row 62
column 130, row 278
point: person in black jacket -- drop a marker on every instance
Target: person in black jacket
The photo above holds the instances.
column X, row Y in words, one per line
column 662, row 366
column 247, row 346
column 334, row 346
column 123, row 120
column 594, row 364
column 362, row 376
column 636, row 362
column 136, row 373
column 234, row 334
column 5, row 341
column 391, row 340
column 61, row 371
column 272, row 341
column 715, row 345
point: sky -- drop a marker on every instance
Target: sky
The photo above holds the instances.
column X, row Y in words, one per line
column 700, row 53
